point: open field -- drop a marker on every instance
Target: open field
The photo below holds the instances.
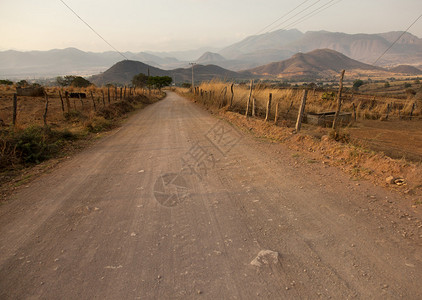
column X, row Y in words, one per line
column 397, row 139
column 400, row 88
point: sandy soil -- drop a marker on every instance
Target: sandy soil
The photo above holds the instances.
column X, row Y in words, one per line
column 178, row 204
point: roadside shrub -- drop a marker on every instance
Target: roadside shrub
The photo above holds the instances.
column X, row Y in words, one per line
column 339, row 136
column 328, row 96
column 98, row 124
column 31, row 145
column 73, row 115
column 115, row 110
column 35, row 143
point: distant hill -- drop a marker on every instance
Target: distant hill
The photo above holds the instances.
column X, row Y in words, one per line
column 315, row 64
column 15, row 64
column 206, row 73
column 210, row 58
column 123, row 72
column 406, row 69
column 272, row 40
column 362, row 47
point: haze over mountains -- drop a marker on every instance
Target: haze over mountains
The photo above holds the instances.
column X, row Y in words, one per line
column 249, row 53
column 321, row 64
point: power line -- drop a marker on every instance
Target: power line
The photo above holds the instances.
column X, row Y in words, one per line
column 277, row 26
column 281, row 17
column 312, row 13
column 93, row 29
column 397, row 39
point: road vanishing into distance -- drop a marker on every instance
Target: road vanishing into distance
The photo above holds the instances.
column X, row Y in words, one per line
column 177, row 204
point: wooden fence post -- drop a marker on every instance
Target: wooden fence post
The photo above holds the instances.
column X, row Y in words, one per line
column 115, row 93
column 289, row 109
column 124, row 95
column 93, row 101
column 15, row 108
column 108, row 94
column 102, row 92
column 411, row 112
column 276, row 112
column 388, row 111
column 45, row 110
column 222, row 97
column 253, row 106
column 231, row 99
column 66, row 95
column 249, row 99
column 354, row 112
column 267, row 115
column 61, row 100
column 301, row 111
column 340, row 89
column 80, row 99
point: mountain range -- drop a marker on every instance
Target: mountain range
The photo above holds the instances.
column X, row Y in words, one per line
column 315, row 65
column 321, row 63
column 123, row 72
column 252, row 52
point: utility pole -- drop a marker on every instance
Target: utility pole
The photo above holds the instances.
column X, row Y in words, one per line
column 193, row 82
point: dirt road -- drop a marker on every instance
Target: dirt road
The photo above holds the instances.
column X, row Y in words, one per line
column 178, row 204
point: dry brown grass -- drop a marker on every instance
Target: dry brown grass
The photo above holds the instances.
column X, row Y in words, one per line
column 30, row 109
column 216, row 94
column 31, row 141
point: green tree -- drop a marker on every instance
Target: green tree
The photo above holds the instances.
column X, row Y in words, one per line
column 140, row 80
column 159, row 81
column 6, row 82
column 22, row 83
column 79, row 81
column 66, row 80
column 357, row 84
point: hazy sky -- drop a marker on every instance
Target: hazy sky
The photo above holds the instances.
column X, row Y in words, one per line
column 165, row 25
